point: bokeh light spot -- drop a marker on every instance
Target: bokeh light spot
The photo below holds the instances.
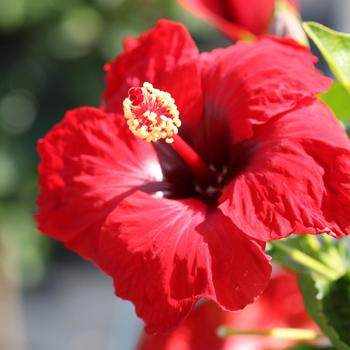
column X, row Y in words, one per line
column 17, row 112
column 12, row 13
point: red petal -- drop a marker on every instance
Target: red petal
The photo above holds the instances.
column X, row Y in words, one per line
column 88, row 164
column 273, row 309
column 297, row 179
column 257, row 82
column 215, row 12
column 167, row 57
column 197, row 332
column 238, row 19
column 254, row 15
column 294, row 3
column 166, row 254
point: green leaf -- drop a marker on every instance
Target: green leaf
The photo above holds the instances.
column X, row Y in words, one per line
column 338, row 99
column 337, row 307
column 335, row 48
column 313, row 294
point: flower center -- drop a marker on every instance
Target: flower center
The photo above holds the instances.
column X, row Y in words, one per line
column 152, row 115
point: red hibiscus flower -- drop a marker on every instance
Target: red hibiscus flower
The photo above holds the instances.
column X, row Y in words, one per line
column 280, row 306
column 238, row 19
column 257, row 157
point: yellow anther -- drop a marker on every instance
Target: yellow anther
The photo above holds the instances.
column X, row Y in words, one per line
column 151, row 114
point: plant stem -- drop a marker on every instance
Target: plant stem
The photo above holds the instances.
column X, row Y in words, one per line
column 304, row 260
column 297, row 334
column 313, row 242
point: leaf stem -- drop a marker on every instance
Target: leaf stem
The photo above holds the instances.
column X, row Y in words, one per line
column 298, row 334
column 304, row 260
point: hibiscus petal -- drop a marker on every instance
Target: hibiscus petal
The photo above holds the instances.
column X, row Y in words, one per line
column 89, row 162
column 238, row 19
column 215, row 12
column 295, row 4
column 167, row 57
column 297, row 179
column 166, row 254
column 272, row 310
column 255, row 15
column 257, row 82
column 197, row 332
